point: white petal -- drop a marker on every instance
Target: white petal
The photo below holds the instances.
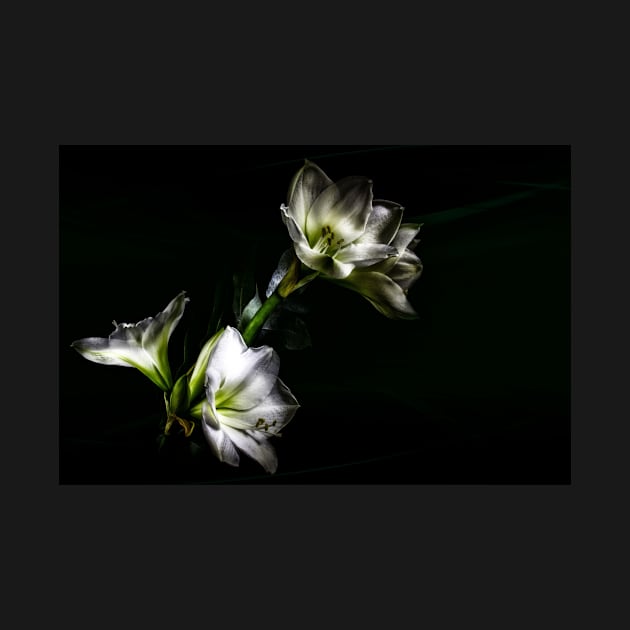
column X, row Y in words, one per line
column 270, row 416
column 246, row 374
column 384, row 266
column 406, row 271
column 322, row 262
column 219, row 440
column 344, row 207
column 406, row 235
column 404, row 241
column 111, row 352
column 383, row 293
column 383, row 222
column 159, row 330
column 250, row 383
column 365, row 254
column 164, row 323
column 305, row 187
column 295, row 231
column 256, row 446
column 114, row 351
column 131, row 334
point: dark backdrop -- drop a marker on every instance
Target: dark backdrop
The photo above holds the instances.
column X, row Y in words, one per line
column 475, row 391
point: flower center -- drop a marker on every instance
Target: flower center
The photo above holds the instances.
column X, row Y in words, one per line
column 263, row 425
column 328, row 243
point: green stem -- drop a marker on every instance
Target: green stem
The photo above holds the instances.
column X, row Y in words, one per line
column 261, row 316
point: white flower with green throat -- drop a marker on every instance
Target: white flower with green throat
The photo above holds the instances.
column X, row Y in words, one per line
column 241, row 401
column 344, row 235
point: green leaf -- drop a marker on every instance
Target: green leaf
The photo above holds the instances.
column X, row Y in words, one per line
column 453, row 214
column 187, row 347
column 178, row 402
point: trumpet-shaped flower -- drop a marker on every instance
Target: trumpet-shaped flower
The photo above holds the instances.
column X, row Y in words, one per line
column 245, row 401
column 327, row 223
column 356, row 241
column 143, row 345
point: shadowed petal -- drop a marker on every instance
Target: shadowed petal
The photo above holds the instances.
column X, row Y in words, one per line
column 365, row 254
column 406, row 234
column 384, row 294
column 407, row 270
column 305, row 187
column 271, row 415
column 218, row 439
column 322, row 262
column 255, row 445
column 131, row 334
column 295, row 231
column 383, row 222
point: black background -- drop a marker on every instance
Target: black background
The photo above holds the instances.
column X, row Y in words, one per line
column 475, row 391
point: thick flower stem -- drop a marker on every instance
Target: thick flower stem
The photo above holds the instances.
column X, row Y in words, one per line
column 261, row 316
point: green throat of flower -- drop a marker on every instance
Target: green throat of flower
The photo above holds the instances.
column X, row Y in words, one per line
column 328, row 243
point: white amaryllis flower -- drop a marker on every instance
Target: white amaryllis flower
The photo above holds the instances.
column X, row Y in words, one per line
column 245, row 401
column 327, row 222
column 356, row 241
column 386, row 284
column 143, row 345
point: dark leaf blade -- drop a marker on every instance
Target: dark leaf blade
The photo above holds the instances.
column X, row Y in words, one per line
column 244, row 292
column 454, row 214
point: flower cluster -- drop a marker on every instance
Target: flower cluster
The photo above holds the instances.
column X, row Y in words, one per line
column 339, row 233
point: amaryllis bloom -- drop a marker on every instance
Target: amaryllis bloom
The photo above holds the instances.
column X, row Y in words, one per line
column 143, row 345
column 245, row 401
column 386, row 284
column 329, row 222
column 356, row 241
